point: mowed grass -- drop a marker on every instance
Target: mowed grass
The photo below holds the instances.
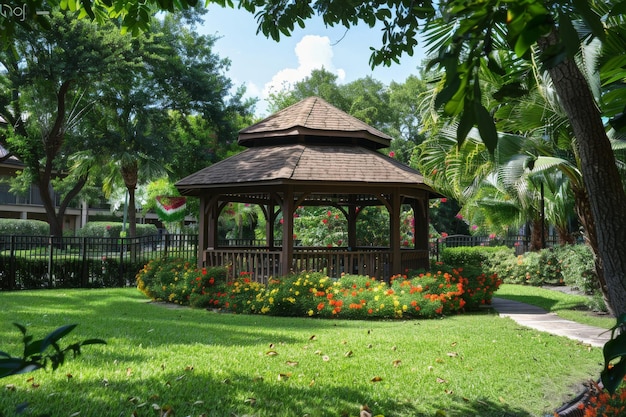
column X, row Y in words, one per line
column 201, row 363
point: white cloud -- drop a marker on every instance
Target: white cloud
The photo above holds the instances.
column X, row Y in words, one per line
column 313, row 52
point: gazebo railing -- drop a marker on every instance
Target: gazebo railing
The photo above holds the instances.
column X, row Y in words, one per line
column 260, row 263
column 263, row 263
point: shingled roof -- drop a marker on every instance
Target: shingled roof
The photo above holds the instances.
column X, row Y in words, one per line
column 308, row 143
column 314, row 118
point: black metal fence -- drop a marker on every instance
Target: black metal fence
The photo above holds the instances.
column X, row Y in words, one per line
column 520, row 243
column 28, row 262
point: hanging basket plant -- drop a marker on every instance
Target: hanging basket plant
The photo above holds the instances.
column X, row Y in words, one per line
column 171, row 209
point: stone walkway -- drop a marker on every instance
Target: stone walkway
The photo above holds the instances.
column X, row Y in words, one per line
column 537, row 318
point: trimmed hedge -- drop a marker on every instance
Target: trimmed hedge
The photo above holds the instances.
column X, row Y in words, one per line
column 32, row 272
column 20, row 227
column 113, row 229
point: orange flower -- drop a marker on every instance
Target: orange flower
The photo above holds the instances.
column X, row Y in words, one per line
column 320, row 306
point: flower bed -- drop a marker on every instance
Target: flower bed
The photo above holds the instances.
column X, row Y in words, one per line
column 424, row 295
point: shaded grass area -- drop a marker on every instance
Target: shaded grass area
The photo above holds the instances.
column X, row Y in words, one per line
column 568, row 306
column 196, row 362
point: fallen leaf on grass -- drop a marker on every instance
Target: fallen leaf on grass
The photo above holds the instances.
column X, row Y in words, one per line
column 318, row 352
column 348, row 354
column 292, row 363
column 325, row 358
column 453, row 354
column 250, row 400
column 10, row 387
column 189, row 368
column 284, row 377
column 69, row 376
column 376, row 379
column 271, row 353
column 313, row 337
column 396, row 363
column 441, row 380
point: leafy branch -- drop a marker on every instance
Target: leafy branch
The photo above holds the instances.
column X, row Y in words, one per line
column 41, row 352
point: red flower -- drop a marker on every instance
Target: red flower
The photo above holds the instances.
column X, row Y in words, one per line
column 320, row 306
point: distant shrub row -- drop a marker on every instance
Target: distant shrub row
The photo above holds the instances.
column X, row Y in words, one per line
column 571, row 265
column 25, row 227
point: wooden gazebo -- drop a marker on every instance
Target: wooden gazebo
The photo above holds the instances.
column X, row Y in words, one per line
column 311, row 154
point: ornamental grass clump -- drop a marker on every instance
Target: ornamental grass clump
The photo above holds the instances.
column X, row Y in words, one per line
column 424, row 295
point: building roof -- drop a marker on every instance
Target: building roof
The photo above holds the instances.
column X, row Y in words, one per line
column 315, row 118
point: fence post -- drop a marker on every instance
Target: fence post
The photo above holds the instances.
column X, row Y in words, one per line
column 121, row 267
column 50, row 254
column 84, row 279
column 12, row 261
column 166, row 245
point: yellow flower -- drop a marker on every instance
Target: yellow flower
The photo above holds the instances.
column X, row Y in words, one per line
column 311, row 312
column 396, row 303
column 271, row 300
column 382, row 306
column 297, row 293
column 404, row 307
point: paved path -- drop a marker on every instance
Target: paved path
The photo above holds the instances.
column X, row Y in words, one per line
column 538, row 318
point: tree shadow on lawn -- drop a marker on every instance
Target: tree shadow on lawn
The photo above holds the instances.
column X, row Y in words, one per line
column 195, row 393
column 547, row 304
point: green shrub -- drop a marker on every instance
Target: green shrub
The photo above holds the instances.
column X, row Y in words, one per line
column 113, row 229
column 180, row 281
column 578, row 268
column 19, row 227
column 475, row 256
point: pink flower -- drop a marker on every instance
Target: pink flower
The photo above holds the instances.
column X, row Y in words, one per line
column 444, row 234
column 444, row 200
column 392, row 154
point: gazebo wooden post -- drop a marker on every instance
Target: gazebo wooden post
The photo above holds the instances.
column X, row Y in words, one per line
column 202, row 233
column 287, row 252
column 394, row 233
column 420, row 216
column 352, row 213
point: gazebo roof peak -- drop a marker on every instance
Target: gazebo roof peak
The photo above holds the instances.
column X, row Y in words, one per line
column 312, row 120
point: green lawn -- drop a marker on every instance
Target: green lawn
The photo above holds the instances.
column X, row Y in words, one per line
column 567, row 306
column 201, row 363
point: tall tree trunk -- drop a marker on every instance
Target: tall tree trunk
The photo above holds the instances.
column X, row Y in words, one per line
column 585, row 216
column 536, row 243
column 130, row 175
column 603, row 183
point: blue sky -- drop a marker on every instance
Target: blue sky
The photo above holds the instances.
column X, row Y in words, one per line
column 263, row 65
